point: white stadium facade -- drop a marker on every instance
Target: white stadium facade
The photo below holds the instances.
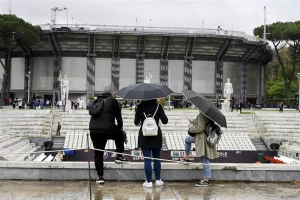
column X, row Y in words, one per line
column 182, row 58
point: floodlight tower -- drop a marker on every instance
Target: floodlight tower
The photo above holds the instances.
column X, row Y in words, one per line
column 54, row 13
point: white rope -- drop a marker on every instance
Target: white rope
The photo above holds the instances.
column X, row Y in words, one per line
column 124, row 154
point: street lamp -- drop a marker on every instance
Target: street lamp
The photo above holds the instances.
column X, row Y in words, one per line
column 28, row 76
column 298, row 76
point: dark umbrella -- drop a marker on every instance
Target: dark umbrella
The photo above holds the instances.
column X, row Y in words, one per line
column 206, row 107
column 144, row 91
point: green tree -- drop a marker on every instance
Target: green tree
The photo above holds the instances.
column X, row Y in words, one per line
column 12, row 31
column 275, row 86
column 283, row 34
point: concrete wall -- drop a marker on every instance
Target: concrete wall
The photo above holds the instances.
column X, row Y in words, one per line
column 135, row 171
column 203, row 77
column 102, row 73
column 127, row 72
column 75, row 69
column 203, row 74
column 17, row 74
column 42, row 74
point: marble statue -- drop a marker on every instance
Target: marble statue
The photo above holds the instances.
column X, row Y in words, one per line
column 228, row 90
column 64, row 87
column 148, row 78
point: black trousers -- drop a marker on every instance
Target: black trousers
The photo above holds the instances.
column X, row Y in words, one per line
column 99, row 141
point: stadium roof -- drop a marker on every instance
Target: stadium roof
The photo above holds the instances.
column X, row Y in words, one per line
column 148, row 42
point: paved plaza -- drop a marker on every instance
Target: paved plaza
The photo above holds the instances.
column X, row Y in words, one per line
column 124, row 190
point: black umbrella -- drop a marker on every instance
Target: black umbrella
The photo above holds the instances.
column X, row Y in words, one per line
column 144, row 91
column 206, row 107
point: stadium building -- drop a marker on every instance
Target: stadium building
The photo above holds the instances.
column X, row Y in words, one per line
column 182, row 58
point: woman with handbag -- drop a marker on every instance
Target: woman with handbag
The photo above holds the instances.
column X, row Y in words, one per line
column 150, row 145
column 203, row 150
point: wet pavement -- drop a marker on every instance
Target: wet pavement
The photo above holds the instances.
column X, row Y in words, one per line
column 133, row 190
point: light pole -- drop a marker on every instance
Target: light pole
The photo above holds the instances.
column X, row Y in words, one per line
column 298, row 76
column 28, row 76
column 169, row 81
column 203, row 25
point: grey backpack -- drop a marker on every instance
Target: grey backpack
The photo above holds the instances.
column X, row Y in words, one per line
column 213, row 133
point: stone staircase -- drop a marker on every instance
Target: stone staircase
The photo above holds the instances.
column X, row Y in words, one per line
column 248, row 121
column 56, row 118
column 259, row 145
column 58, row 142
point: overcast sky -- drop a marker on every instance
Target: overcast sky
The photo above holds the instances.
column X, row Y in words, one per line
column 241, row 15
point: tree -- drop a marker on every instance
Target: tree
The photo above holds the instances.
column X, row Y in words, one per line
column 284, row 34
column 13, row 29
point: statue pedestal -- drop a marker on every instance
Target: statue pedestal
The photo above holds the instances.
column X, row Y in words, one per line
column 67, row 107
column 226, row 106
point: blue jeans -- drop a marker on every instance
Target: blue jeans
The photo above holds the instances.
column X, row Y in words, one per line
column 188, row 146
column 147, row 163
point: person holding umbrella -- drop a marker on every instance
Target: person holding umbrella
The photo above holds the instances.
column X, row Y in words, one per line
column 203, row 150
column 207, row 111
column 150, row 145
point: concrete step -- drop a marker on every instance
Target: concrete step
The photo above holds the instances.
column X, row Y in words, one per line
column 259, row 145
column 29, row 156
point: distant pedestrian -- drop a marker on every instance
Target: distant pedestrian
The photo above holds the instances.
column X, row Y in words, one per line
column 131, row 104
column 80, row 102
column 281, row 107
column 58, row 129
column 88, row 103
column 237, row 104
column 241, row 105
column 231, row 104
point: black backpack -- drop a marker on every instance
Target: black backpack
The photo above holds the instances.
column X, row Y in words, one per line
column 213, row 133
column 96, row 107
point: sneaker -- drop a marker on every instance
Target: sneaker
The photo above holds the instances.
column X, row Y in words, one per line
column 147, row 184
column 159, row 183
column 202, row 183
column 121, row 159
column 184, row 161
column 100, row 180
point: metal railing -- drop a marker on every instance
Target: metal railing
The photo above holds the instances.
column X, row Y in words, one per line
column 149, row 30
column 51, row 125
column 257, row 124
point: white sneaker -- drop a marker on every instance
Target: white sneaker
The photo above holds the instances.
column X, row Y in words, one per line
column 159, row 183
column 147, row 184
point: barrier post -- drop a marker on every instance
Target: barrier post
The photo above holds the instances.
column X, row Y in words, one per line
column 88, row 144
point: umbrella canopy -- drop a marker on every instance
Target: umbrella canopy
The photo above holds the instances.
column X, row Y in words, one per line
column 206, row 107
column 144, row 91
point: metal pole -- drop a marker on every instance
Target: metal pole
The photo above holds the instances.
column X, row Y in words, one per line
column 169, row 76
column 265, row 20
column 298, row 75
column 28, row 87
column 88, row 144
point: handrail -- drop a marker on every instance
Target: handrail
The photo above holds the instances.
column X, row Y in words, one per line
column 51, row 126
column 256, row 123
column 149, row 30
